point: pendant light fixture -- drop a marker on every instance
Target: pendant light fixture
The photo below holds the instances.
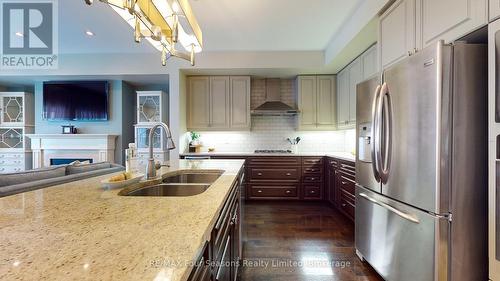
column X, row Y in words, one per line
column 169, row 25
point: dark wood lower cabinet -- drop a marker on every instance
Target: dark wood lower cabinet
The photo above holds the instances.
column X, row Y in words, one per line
column 300, row 178
column 222, row 254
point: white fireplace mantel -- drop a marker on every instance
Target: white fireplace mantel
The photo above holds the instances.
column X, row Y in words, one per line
column 98, row 147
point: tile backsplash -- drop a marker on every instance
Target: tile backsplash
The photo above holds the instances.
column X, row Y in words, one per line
column 270, row 132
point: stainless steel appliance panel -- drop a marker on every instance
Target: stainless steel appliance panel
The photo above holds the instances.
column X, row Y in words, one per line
column 396, row 239
column 366, row 93
column 469, row 176
column 412, row 96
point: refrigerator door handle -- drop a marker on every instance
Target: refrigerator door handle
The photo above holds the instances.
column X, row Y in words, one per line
column 402, row 214
column 385, row 115
column 374, row 133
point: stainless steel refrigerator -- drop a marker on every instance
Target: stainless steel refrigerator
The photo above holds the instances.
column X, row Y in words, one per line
column 421, row 166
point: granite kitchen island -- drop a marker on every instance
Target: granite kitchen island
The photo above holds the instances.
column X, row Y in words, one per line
column 79, row 231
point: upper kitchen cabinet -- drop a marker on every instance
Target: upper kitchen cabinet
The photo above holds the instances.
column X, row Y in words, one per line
column 317, row 102
column 240, row 102
column 398, row 32
column 370, row 63
column 355, row 76
column 410, row 25
column 218, row 103
column 360, row 69
column 494, row 9
column 449, row 20
column 342, row 98
column 198, row 102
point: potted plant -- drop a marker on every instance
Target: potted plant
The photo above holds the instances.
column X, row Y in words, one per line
column 195, row 143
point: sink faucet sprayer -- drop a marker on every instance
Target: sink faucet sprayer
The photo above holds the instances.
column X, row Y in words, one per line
column 151, row 167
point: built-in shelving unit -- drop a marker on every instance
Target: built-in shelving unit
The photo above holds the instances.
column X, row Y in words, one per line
column 151, row 109
column 16, row 120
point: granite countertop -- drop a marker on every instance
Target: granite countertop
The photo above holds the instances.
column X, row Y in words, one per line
column 80, row 231
column 340, row 155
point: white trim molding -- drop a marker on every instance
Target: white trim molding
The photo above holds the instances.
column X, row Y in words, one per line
column 98, row 147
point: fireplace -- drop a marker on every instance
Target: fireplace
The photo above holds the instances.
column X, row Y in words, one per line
column 63, row 161
column 54, row 149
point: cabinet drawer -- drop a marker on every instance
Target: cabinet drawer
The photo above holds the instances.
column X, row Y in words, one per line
column 222, row 224
column 312, row 170
column 11, row 169
column 11, row 162
column 201, row 269
column 346, row 196
column 333, row 162
column 267, row 174
column 312, row 192
column 347, row 184
column 348, row 169
column 263, row 191
column 312, row 161
column 347, row 207
column 312, row 178
column 10, row 156
column 274, row 161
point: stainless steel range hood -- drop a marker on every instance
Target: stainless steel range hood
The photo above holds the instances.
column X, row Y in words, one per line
column 273, row 105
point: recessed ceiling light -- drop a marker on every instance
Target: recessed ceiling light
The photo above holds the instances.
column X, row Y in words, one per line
column 89, row 33
column 20, row 34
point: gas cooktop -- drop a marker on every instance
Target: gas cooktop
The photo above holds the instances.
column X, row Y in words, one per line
column 272, row 151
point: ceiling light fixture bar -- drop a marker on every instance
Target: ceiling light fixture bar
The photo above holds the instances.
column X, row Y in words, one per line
column 166, row 24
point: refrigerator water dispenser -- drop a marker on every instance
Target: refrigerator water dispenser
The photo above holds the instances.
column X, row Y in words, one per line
column 364, row 142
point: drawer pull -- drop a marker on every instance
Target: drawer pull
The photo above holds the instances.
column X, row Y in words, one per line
column 259, row 174
column 312, row 191
column 343, row 182
column 344, row 204
column 313, row 179
column 288, row 192
column 259, row 191
column 288, row 174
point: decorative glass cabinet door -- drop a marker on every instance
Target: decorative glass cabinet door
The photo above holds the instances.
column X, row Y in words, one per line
column 149, row 108
column 12, row 110
column 11, row 138
column 143, row 138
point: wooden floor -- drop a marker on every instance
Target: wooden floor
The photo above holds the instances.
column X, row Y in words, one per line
column 299, row 241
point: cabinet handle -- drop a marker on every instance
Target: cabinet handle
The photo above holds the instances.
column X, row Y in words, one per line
column 343, row 205
column 312, row 191
column 343, row 182
column 288, row 192
column 259, row 191
column 288, row 174
column 259, row 174
column 313, row 179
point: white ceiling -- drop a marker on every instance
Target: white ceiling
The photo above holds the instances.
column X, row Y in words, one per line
column 270, row 25
column 228, row 25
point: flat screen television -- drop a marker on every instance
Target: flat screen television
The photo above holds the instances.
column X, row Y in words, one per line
column 75, row 100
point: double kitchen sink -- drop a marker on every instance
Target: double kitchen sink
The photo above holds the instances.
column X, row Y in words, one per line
column 186, row 183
